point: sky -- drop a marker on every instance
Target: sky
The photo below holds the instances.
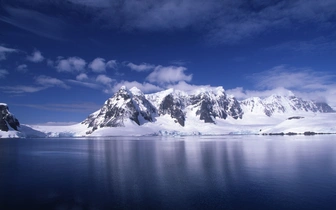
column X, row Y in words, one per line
column 61, row 59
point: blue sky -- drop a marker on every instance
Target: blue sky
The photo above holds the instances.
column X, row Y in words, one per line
column 60, row 60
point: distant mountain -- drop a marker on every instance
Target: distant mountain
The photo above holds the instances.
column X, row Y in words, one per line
column 7, row 120
column 206, row 104
column 277, row 104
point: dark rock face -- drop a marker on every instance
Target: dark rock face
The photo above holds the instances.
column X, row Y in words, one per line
column 123, row 105
column 207, row 104
column 174, row 108
column 133, row 105
column 211, row 106
column 6, row 118
column 323, row 107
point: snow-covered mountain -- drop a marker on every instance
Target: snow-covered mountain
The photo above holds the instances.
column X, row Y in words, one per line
column 206, row 104
column 201, row 109
column 282, row 105
column 125, row 105
column 134, row 106
column 205, row 111
column 7, row 119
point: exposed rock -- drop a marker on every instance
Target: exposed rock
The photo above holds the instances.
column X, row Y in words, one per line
column 125, row 104
column 173, row 107
column 7, row 119
column 277, row 104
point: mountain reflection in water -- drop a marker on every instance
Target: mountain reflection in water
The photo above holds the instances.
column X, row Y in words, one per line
column 229, row 172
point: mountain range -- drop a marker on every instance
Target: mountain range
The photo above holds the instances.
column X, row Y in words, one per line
column 207, row 104
column 204, row 110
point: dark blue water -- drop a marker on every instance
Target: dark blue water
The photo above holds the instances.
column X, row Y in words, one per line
column 232, row 172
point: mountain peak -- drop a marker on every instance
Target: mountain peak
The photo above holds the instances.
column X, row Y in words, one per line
column 123, row 88
column 136, row 91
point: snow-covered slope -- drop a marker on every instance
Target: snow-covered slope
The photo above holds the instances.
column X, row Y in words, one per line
column 125, row 105
column 282, row 105
column 206, row 111
column 319, row 123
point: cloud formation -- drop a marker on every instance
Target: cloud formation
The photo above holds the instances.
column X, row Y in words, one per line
column 293, row 78
column 22, row 68
column 4, row 51
column 165, row 75
column 35, row 22
column 87, row 84
column 71, row 64
column 103, row 79
column 282, row 80
column 47, row 81
column 82, row 76
column 144, row 87
column 140, row 67
column 98, row 65
column 182, row 85
column 222, row 22
column 227, row 21
column 112, row 64
column 35, row 57
column 21, row 89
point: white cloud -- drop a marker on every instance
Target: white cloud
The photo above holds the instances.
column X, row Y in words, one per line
column 144, row 87
column 4, row 51
column 103, row 79
column 242, row 94
column 21, row 89
column 293, row 78
column 281, row 80
column 168, row 75
column 140, row 67
column 71, row 64
column 327, row 95
column 47, row 81
column 182, row 85
column 3, row 73
column 22, row 68
column 82, row 76
column 85, row 84
column 112, row 64
column 35, row 57
column 98, row 65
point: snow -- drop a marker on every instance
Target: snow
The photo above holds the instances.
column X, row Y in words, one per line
column 166, row 126
column 319, row 123
column 254, row 120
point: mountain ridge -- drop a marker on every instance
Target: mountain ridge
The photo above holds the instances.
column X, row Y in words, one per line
column 206, row 104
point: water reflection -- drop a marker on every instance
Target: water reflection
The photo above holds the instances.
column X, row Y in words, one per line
column 185, row 173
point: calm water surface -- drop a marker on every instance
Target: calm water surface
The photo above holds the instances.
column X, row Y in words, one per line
column 230, row 172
